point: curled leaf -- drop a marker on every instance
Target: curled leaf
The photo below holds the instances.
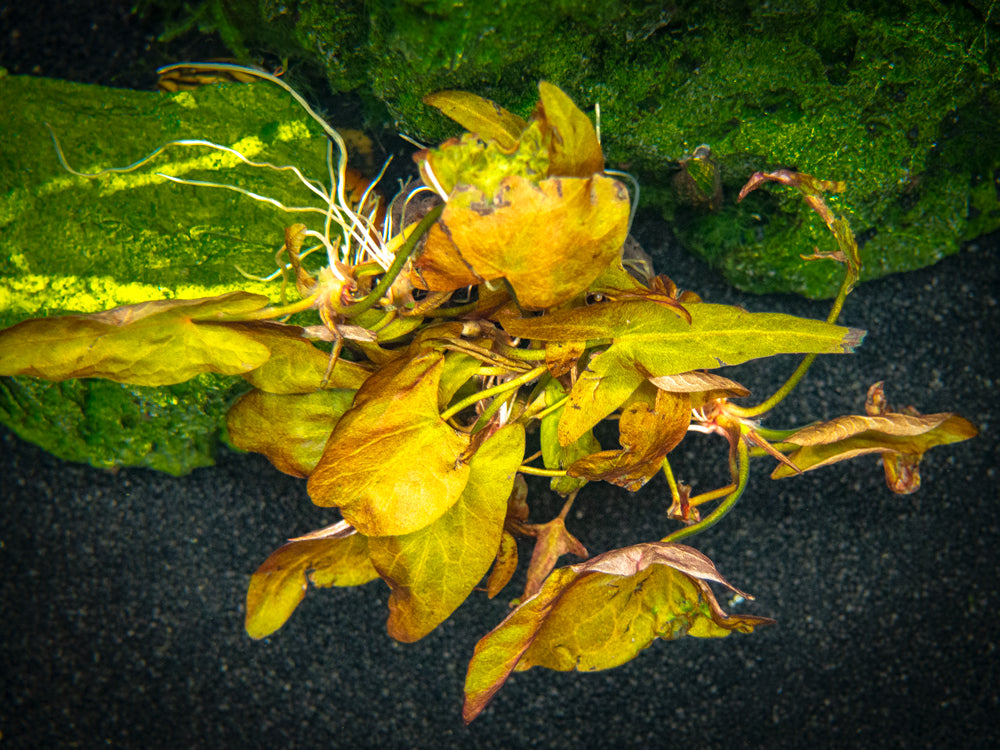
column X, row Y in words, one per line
column 649, row 428
column 901, row 438
column 552, row 541
column 151, row 343
column 846, row 437
column 280, row 583
column 601, row 613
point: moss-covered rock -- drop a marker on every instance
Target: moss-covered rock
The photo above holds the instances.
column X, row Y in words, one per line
column 71, row 244
column 900, row 100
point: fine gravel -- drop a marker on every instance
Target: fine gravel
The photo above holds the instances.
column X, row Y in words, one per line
column 122, row 593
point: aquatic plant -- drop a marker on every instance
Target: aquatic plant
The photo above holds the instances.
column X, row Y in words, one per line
column 499, row 295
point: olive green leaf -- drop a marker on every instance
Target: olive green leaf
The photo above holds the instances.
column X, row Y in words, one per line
column 433, row 570
column 649, row 428
column 280, row 583
column 392, row 465
column 151, row 343
column 558, row 456
column 648, row 340
column 480, row 116
column 845, row 437
column 291, row 429
column 601, row 613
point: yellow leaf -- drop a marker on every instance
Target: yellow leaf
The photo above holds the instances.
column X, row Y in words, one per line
column 392, row 465
column 297, row 366
column 151, row 343
column 601, row 613
column 505, row 565
column 290, row 429
column 478, row 115
column 549, row 240
column 280, row 583
column 433, row 570
column 574, row 150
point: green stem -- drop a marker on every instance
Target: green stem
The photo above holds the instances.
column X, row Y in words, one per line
column 525, row 355
column 397, row 265
column 549, row 409
column 774, row 436
column 743, row 464
column 494, row 391
column 668, row 472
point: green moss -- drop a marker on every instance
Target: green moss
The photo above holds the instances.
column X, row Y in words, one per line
column 69, row 244
column 174, row 429
column 897, row 99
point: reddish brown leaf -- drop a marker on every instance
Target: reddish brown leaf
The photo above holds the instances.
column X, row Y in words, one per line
column 649, row 428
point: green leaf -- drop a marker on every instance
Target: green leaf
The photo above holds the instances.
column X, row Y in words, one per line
column 601, row 613
column 432, row 571
column 280, row 583
column 649, row 340
column 555, row 455
column 392, row 465
column 290, row 429
column 458, row 369
column 472, row 163
column 480, row 116
column 151, row 343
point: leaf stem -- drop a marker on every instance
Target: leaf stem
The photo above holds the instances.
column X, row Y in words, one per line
column 668, row 472
column 270, row 313
column 549, row 409
column 526, row 355
column 494, row 391
column 743, row 464
column 397, row 265
column 778, row 396
column 524, row 469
